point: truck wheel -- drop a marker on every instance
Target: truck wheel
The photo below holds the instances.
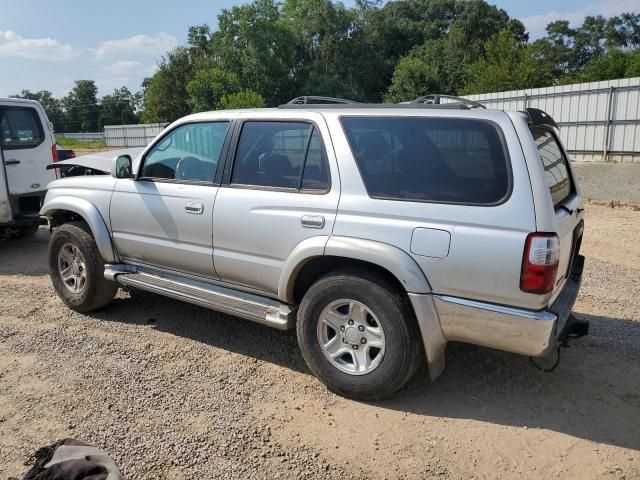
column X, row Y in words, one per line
column 77, row 269
column 358, row 335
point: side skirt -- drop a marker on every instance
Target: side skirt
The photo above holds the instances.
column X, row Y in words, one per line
column 248, row 306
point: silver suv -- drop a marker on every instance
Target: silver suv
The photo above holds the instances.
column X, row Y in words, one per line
column 379, row 232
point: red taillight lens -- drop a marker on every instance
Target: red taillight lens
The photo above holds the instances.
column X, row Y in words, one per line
column 54, row 153
column 540, row 263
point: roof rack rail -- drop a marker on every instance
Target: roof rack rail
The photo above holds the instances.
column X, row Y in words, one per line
column 434, row 99
column 305, row 100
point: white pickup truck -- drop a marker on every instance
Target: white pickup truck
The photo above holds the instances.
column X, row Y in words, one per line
column 27, row 145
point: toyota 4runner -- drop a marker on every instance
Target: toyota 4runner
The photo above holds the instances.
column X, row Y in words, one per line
column 379, row 232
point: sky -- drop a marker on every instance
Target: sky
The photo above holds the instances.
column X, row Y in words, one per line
column 47, row 44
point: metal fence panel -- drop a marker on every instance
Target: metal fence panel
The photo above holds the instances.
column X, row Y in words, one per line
column 131, row 135
column 599, row 121
column 82, row 135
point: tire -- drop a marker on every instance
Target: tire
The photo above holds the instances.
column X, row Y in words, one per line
column 83, row 287
column 388, row 321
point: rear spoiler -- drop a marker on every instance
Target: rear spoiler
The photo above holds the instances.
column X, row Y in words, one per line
column 540, row 118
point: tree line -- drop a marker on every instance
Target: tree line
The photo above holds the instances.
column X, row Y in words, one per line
column 82, row 111
column 266, row 52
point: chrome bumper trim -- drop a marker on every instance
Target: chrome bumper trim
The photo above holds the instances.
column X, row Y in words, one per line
column 510, row 329
column 501, row 309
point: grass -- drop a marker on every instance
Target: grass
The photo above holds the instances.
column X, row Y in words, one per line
column 80, row 144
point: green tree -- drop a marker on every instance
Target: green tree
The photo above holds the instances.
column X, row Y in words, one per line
column 412, row 78
column 208, row 86
column 119, row 108
column 258, row 45
column 165, row 95
column 52, row 106
column 241, row 99
column 633, row 65
column 508, row 64
column 616, row 63
column 81, row 105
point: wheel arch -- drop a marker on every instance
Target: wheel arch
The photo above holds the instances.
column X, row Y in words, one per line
column 394, row 264
column 319, row 255
column 63, row 209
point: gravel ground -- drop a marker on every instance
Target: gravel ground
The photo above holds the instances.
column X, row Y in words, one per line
column 606, row 182
column 173, row 391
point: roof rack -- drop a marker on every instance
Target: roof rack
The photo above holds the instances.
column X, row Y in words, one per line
column 304, row 100
column 427, row 101
column 364, row 106
column 435, row 99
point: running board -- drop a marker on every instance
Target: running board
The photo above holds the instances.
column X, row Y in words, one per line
column 251, row 307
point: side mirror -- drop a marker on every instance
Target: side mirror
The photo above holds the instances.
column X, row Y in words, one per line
column 121, row 167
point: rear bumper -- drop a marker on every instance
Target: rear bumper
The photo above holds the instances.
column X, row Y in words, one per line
column 516, row 330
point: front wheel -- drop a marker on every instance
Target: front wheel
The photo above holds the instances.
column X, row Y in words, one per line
column 77, row 270
column 358, row 335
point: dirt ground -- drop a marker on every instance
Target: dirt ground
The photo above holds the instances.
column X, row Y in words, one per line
column 178, row 392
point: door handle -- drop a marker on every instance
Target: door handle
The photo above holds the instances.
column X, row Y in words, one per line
column 12, row 162
column 194, row 207
column 312, row 221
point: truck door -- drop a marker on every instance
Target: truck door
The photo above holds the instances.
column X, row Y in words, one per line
column 26, row 148
column 5, row 206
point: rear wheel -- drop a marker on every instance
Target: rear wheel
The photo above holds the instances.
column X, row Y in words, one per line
column 358, row 335
column 77, row 270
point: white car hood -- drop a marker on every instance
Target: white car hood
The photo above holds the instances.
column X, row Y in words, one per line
column 99, row 161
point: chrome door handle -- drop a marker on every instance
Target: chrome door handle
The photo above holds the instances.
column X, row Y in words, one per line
column 194, row 207
column 312, row 221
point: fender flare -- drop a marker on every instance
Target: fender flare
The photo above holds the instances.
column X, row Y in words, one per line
column 89, row 212
column 398, row 262
column 391, row 258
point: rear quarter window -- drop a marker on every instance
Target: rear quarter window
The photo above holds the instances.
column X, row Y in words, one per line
column 20, row 127
column 443, row 160
column 556, row 165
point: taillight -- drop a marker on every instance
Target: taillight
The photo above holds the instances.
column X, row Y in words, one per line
column 540, row 263
column 54, row 153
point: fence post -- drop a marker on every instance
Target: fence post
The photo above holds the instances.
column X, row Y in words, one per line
column 607, row 137
column 526, row 100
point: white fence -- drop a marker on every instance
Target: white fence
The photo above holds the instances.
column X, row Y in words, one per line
column 83, row 137
column 131, row 135
column 599, row 121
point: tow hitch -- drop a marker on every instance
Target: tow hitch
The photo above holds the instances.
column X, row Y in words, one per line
column 575, row 328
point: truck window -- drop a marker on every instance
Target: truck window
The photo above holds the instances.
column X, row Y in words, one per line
column 443, row 160
column 189, row 153
column 20, row 127
column 556, row 167
column 281, row 155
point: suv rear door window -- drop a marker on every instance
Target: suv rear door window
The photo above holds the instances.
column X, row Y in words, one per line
column 556, row 167
column 444, row 160
column 281, row 155
column 20, row 127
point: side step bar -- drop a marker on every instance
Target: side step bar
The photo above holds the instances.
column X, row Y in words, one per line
column 251, row 307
